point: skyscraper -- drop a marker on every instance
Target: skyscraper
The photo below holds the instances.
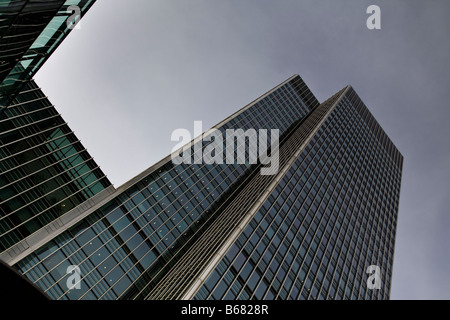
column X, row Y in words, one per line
column 331, row 216
column 308, row 230
column 45, row 171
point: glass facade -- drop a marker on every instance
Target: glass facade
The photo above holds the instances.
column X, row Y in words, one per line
column 45, row 172
column 195, row 231
column 44, row 169
column 180, row 279
column 124, row 248
column 332, row 216
column 30, row 31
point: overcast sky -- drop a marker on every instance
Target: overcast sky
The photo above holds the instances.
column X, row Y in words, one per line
column 136, row 70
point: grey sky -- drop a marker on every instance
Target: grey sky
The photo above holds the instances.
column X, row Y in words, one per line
column 139, row 69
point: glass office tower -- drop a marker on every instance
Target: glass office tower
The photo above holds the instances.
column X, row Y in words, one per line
column 331, row 216
column 226, row 231
column 193, row 231
column 45, row 172
column 126, row 245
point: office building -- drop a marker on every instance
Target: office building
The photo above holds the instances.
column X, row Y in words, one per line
column 308, row 230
